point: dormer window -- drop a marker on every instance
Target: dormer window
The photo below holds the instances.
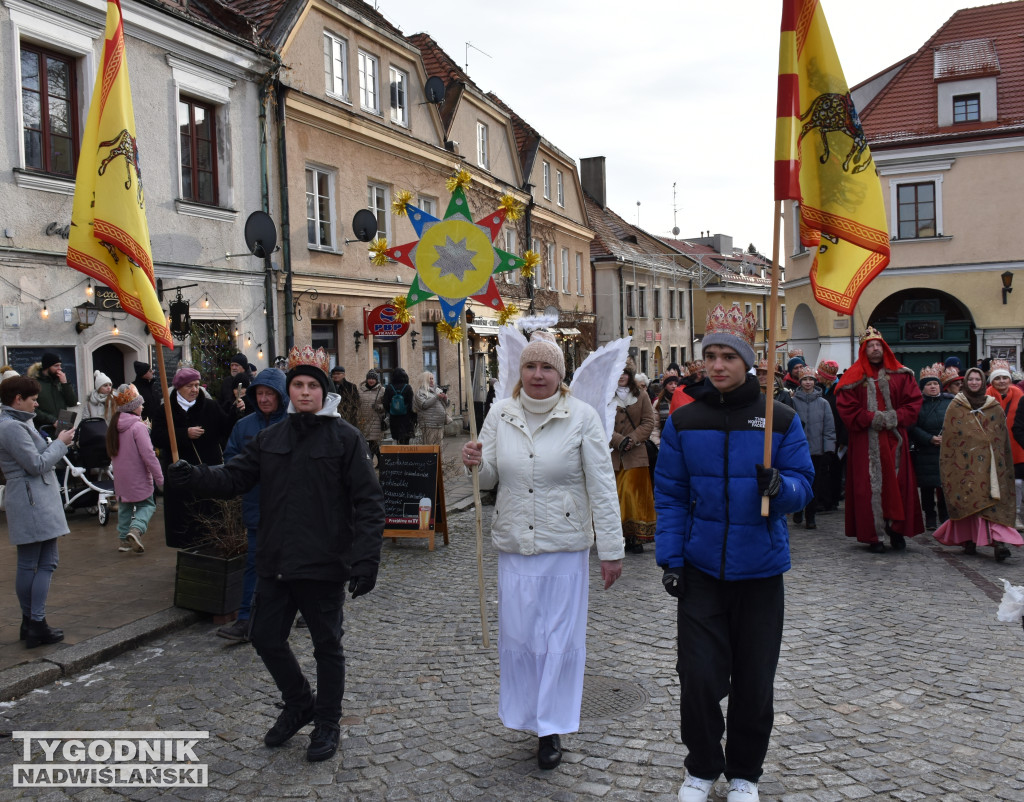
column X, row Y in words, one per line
column 966, row 108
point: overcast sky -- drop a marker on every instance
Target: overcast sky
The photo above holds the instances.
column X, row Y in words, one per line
column 670, row 91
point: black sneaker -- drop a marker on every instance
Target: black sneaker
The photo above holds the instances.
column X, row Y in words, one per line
column 291, row 720
column 1002, row 552
column 237, row 630
column 878, row 547
column 323, row 743
column 897, row 541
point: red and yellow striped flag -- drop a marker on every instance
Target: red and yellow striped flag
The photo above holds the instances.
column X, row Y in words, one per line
column 823, row 161
column 109, row 237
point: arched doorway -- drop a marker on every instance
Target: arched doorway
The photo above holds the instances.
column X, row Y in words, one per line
column 108, row 359
column 923, row 326
column 803, row 333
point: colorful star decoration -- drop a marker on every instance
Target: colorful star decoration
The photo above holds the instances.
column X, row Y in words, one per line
column 454, row 258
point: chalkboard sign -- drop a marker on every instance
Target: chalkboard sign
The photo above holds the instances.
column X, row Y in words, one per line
column 172, row 356
column 21, row 358
column 413, row 486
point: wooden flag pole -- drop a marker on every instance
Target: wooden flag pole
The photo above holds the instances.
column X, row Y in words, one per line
column 773, row 310
column 476, row 482
column 167, row 400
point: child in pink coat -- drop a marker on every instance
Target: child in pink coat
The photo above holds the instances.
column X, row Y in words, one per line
column 136, row 468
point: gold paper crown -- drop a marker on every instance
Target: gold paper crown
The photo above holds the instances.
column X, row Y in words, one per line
column 871, row 333
column 796, row 352
column 930, row 372
column 731, row 321
column 126, row 395
column 805, row 370
column 828, row 369
column 999, row 364
column 307, row 356
column 696, row 366
column 950, row 374
column 762, row 364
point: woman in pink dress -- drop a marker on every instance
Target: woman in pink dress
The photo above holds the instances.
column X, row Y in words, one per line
column 976, row 466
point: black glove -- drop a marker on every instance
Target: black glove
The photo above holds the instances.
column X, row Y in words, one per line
column 672, row 579
column 625, row 443
column 358, row 585
column 179, row 474
column 768, row 481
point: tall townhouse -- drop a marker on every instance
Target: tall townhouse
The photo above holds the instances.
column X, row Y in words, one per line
column 195, row 74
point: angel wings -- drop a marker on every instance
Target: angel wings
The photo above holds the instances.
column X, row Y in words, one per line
column 594, row 381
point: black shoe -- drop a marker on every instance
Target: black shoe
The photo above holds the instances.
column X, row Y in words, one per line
column 877, row 547
column 931, row 525
column 38, row 633
column 323, row 743
column 897, row 542
column 798, row 517
column 23, row 631
column 238, row 630
column 970, row 547
column 549, row 751
column 1001, row 552
column 810, row 525
column 635, row 548
column 291, row 720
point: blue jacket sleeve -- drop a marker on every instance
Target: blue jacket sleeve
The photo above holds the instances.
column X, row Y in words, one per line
column 671, row 499
column 793, row 460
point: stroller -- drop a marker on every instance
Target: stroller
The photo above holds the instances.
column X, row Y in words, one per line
column 88, row 477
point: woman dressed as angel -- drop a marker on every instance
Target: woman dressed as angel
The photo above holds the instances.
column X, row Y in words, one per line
column 548, row 453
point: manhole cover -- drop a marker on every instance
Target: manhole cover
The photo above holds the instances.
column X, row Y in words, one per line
column 610, row 697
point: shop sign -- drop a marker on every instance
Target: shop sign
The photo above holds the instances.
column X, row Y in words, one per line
column 382, row 321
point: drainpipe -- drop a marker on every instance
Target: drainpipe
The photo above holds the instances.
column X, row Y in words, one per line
column 530, row 293
column 286, row 249
column 268, row 268
column 692, row 324
column 622, row 304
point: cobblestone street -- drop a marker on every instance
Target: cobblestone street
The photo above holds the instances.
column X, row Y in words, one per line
column 896, row 682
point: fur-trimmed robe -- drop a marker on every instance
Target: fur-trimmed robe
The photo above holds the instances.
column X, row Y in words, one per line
column 976, row 457
column 880, row 479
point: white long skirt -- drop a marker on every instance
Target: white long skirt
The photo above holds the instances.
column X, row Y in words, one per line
column 542, row 640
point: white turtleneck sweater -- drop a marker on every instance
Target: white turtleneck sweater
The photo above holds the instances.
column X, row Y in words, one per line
column 537, row 409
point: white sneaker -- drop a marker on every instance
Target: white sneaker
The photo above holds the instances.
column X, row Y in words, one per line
column 135, row 541
column 742, row 791
column 694, row 789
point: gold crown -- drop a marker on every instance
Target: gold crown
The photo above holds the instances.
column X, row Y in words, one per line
column 731, row 321
column 796, row 352
column 871, row 333
column 126, row 395
column 762, row 364
column 805, row 370
column 999, row 364
column 828, row 369
column 696, row 366
column 931, row 372
column 950, row 374
column 307, row 356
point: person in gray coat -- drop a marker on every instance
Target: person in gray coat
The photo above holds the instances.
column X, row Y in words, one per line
column 820, row 428
column 35, row 513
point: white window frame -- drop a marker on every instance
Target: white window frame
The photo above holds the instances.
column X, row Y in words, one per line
column 747, row 309
column 559, row 188
column 369, row 82
column 511, row 276
column 383, row 192
column 546, row 171
column 565, row 271
column 798, row 247
column 656, row 302
column 427, row 204
column 641, row 301
column 336, row 77
column 482, row 156
column 331, row 204
column 760, row 316
column 671, row 305
column 579, row 273
column 894, row 214
column 399, row 112
column 782, row 316
column 551, row 265
column 630, row 301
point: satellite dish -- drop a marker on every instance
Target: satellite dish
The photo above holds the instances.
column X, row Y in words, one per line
column 260, row 234
column 675, row 231
column 364, row 225
column 434, row 90
column 551, row 311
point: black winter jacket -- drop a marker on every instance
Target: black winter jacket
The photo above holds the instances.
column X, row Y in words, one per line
column 321, row 506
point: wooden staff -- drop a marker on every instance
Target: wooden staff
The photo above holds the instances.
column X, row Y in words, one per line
column 471, row 406
column 773, row 306
column 167, row 401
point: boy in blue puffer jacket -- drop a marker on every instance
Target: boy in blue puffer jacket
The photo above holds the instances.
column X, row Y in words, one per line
column 722, row 560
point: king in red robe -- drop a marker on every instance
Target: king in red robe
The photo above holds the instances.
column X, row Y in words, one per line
column 879, row 400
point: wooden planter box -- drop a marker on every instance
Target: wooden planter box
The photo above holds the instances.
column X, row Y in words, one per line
column 208, row 584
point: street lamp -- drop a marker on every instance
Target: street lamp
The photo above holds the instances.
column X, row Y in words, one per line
column 1007, row 279
column 630, row 330
column 357, row 338
column 413, row 335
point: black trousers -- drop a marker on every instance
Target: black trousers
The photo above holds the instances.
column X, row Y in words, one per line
column 729, row 634
column 930, row 498
column 321, row 604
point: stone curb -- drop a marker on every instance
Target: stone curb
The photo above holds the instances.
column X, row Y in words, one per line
column 19, row 680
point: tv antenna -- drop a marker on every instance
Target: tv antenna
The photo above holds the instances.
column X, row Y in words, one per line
column 477, row 49
column 675, row 211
